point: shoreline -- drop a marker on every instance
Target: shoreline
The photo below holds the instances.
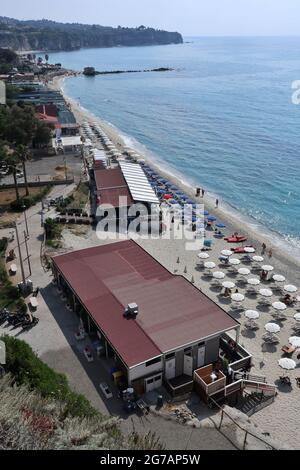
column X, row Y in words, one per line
column 288, row 264
column 281, row 417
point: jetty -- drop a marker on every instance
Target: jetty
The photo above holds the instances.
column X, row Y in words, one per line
column 91, row 72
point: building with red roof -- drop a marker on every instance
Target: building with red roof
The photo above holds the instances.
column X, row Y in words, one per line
column 170, row 328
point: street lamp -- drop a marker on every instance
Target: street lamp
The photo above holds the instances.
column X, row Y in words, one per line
column 24, row 209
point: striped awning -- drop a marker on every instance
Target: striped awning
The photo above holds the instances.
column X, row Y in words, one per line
column 138, row 184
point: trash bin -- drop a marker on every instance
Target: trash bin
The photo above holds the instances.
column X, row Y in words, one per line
column 160, row 401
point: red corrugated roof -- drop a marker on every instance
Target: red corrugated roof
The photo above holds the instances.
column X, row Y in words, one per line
column 172, row 312
column 111, row 185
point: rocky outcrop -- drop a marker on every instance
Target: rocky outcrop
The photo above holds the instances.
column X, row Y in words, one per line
column 51, row 36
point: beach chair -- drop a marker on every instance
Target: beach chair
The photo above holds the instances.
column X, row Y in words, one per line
column 224, row 260
column 219, row 235
column 207, row 245
column 289, row 350
column 88, row 354
column 285, row 380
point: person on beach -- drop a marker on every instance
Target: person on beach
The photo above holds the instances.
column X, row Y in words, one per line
column 270, row 253
column 217, row 203
column 263, row 248
column 203, row 192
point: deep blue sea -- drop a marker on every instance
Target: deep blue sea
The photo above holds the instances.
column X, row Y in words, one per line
column 224, row 120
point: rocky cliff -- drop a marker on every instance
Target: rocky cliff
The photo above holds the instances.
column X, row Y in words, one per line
column 47, row 35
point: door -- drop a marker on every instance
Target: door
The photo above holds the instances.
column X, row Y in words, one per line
column 149, row 385
column 170, row 368
column 153, row 383
column 201, row 356
column 188, row 364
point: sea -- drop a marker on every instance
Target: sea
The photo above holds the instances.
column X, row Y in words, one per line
column 223, row 119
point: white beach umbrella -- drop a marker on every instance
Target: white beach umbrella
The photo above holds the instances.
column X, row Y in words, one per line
column 280, row 306
column 210, row 265
column 297, row 316
column 252, row 314
column 234, row 261
column 244, row 271
column 228, row 284
column 278, row 278
column 298, row 299
column 266, row 292
column 249, row 249
column 272, row 328
column 267, row 268
column 219, row 275
column 291, row 289
column 238, row 297
column 253, row 281
column 203, row 255
column 258, row 259
column 287, row 364
column 295, row 341
column 226, row 253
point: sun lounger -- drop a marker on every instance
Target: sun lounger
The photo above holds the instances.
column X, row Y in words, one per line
column 288, row 349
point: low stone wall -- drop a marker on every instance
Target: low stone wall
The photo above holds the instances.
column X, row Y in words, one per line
column 36, row 184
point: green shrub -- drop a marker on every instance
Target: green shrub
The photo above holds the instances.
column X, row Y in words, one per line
column 3, row 245
column 29, row 370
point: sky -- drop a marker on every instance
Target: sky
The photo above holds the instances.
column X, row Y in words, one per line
column 189, row 17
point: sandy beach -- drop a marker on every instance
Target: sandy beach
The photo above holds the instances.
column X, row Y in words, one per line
column 280, row 419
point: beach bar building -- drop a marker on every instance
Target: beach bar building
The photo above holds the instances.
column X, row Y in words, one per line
column 156, row 327
column 121, row 187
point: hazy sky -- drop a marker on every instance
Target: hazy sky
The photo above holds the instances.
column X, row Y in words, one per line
column 190, row 17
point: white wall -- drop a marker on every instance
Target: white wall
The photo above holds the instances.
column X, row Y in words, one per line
column 142, row 371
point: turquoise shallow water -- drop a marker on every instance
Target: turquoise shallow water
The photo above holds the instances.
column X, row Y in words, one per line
column 224, row 119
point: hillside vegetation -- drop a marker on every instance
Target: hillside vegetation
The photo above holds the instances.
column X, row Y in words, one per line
column 39, row 411
column 45, row 35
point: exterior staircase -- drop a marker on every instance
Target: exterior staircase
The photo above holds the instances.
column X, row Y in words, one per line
column 251, row 403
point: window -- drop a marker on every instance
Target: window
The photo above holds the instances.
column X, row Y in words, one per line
column 158, row 378
column 187, row 350
column 153, row 361
column 170, row 356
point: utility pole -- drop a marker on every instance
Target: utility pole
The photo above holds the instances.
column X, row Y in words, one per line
column 25, row 216
column 66, row 168
column 27, row 252
column 20, row 255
